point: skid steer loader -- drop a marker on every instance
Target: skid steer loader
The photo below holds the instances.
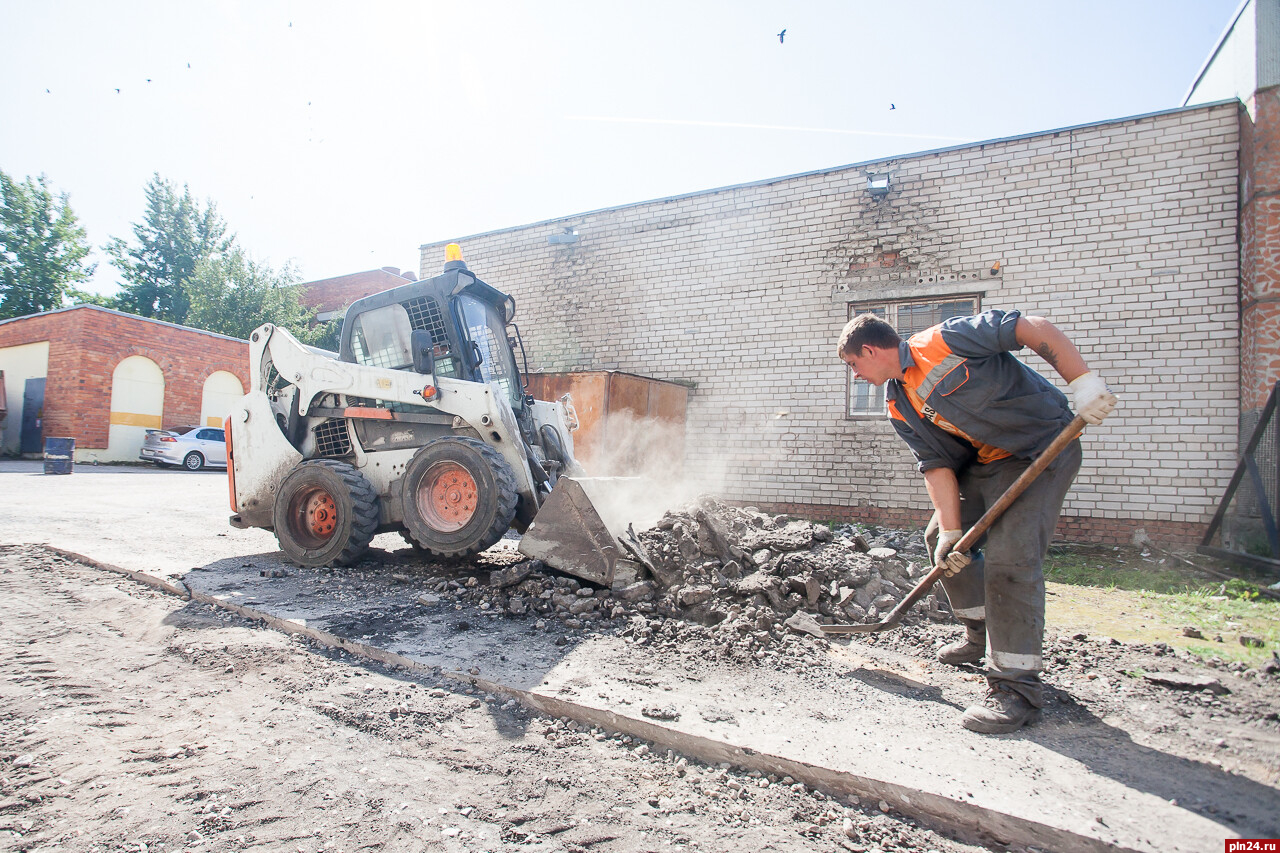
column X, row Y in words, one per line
column 419, row 424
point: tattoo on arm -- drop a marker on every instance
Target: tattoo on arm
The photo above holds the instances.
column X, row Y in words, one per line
column 1048, row 354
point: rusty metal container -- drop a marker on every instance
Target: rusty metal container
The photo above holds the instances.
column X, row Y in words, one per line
column 629, row 425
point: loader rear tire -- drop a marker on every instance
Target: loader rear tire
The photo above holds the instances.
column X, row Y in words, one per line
column 325, row 514
column 459, row 497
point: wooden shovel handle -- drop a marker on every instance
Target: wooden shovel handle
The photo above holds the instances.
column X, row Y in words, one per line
column 1069, row 434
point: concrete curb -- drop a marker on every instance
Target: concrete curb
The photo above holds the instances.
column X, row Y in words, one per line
column 161, row 584
column 968, row 822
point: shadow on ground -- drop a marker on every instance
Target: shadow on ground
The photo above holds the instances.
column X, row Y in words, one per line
column 1073, row 731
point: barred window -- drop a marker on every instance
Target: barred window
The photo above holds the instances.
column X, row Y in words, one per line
column 863, row 398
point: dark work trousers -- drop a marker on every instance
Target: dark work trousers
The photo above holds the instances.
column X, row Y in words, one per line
column 1004, row 586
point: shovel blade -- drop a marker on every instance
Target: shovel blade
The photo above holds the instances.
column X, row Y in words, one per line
column 570, row 532
column 871, row 628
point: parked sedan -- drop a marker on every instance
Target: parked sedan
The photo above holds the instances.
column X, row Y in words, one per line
column 192, row 447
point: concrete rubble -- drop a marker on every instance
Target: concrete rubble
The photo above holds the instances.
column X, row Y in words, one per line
column 737, row 577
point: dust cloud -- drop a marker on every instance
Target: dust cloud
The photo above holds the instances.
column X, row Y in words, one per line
column 639, row 471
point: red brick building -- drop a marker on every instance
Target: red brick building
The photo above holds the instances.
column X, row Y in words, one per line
column 103, row 378
column 1243, row 66
column 331, row 296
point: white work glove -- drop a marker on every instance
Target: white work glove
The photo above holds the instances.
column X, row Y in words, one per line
column 1094, row 400
column 943, row 555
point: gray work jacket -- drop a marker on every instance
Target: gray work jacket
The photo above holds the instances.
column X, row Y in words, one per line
column 968, row 376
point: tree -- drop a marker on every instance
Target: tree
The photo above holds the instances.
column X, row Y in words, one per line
column 174, row 237
column 42, row 248
column 232, row 294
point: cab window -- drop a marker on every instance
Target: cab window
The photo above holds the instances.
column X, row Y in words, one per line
column 381, row 338
column 487, row 331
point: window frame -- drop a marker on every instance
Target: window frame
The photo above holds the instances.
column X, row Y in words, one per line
column 888, row 309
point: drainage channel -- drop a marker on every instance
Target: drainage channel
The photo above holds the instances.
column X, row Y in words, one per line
column 968, row 822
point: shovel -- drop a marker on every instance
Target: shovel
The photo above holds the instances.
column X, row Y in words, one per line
column 1068, row 434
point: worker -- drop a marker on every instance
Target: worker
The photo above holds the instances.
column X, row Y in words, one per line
column 975, row 417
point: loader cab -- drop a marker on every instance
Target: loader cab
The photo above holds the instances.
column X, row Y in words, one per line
column 465, row 318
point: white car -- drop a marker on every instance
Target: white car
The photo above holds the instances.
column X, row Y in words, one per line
column 192, row 447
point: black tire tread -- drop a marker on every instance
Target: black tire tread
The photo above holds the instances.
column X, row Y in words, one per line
column 364, row 521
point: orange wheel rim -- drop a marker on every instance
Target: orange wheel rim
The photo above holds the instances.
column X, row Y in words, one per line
column 320, row 515
column 313, row 517
column 447, row 496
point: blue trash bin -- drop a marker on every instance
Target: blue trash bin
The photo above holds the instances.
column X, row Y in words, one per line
column 59, row 455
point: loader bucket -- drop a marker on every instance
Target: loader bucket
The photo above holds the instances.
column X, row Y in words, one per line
column 570, row 532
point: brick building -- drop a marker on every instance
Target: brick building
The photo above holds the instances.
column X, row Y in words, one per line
column 331, row 296
column 103, row 378
column 1123, row 233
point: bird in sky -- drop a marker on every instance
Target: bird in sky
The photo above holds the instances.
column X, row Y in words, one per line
column 892, row 107
column 117, row 91
column 782, row 35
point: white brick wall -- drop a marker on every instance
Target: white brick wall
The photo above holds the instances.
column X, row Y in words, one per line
column 1123, row 234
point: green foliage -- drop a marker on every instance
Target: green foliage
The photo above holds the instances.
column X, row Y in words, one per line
column 174, row 237
column 42, row 248
column 1242, row 590
column 327, row 335
column 84, row 297
column 232, row 294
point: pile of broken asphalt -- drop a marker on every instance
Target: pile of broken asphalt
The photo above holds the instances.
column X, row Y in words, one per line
column 733, row 577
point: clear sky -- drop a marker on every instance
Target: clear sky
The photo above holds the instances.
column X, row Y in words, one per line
column 341, row 136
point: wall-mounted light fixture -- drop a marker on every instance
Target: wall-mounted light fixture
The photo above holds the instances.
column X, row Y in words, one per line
column 566, row 237
column 878, row 185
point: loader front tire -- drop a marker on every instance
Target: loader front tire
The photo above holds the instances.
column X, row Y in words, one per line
column 459, row 497
column 325, row 514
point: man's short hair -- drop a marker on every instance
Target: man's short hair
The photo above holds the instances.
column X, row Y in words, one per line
column 867, row 330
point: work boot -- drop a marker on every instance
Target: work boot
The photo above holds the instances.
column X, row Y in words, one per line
column 1001, row 711
column 969, row 650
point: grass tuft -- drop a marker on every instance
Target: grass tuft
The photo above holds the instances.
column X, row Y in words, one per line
column 1156, row 597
